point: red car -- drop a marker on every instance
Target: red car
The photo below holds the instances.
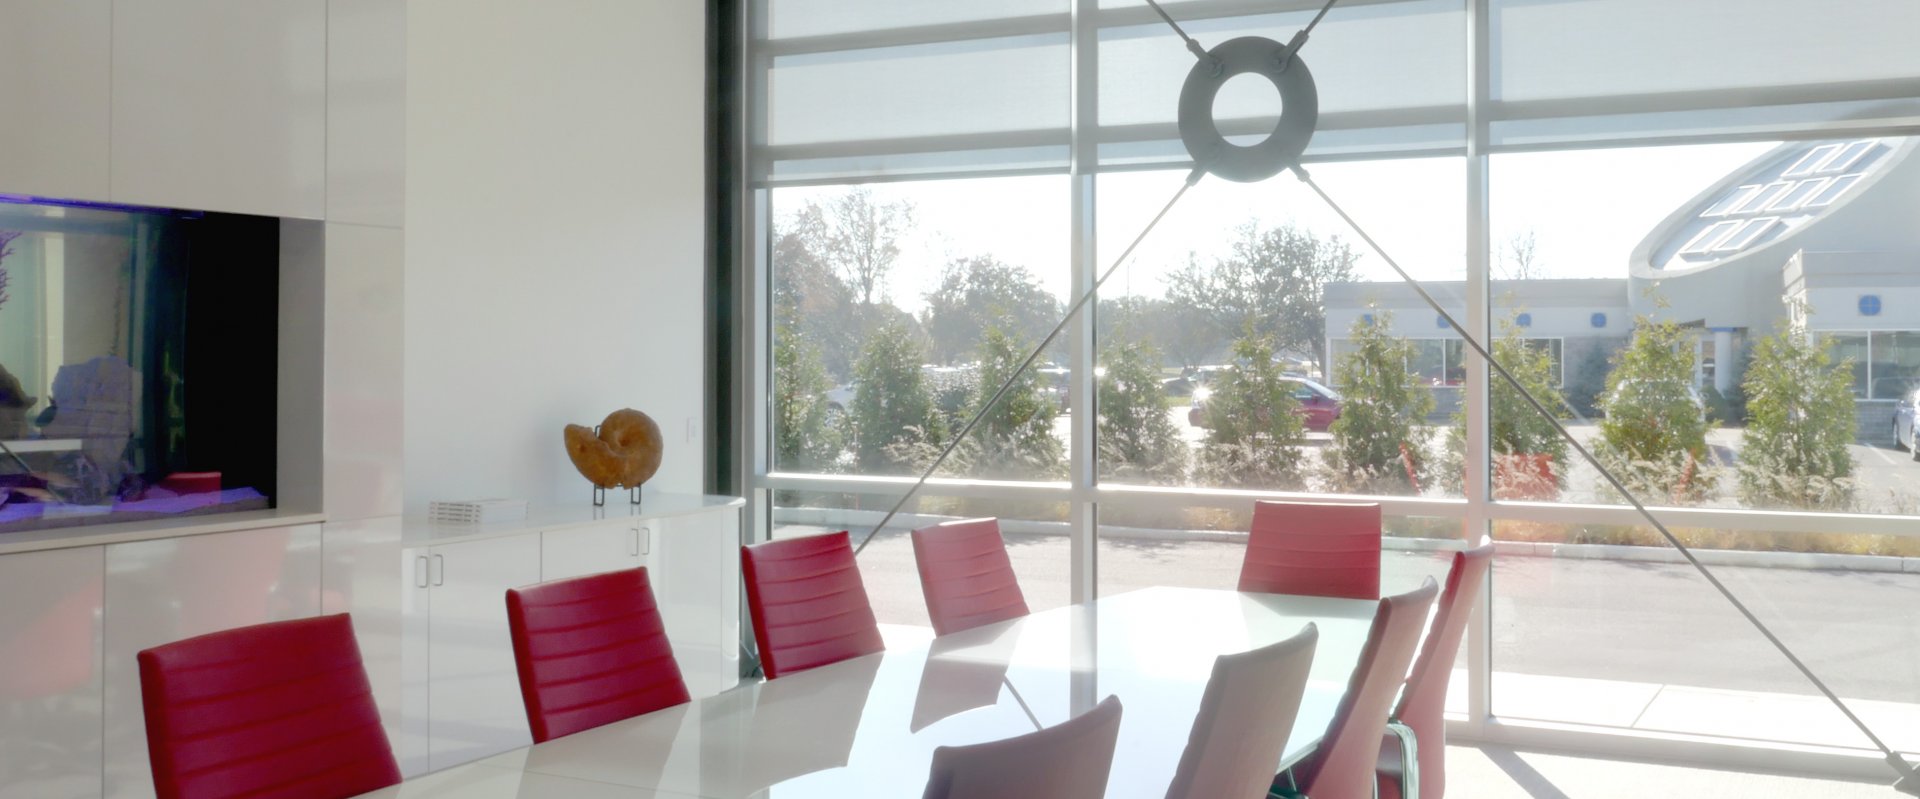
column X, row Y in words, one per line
column 1317, row 405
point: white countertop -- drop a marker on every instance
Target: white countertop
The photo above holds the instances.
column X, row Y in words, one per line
column 421, row 531
column 125, row 532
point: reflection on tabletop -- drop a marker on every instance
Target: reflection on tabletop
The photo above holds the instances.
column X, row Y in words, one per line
column 868, row 726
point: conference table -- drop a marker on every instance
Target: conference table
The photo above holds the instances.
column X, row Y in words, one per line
column 868, row 726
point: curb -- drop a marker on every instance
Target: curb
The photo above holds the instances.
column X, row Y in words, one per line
column 1807, row 561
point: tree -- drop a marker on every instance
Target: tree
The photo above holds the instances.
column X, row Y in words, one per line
column 813, row 303
column 1529, row 455
column 1158, row 323
column 892, row 411
column 1272, row 282
column 1137, row 437
column 979, row 293
column 804, row 438
column 857, row 236
column 1799, row 423
column 1654, row 434
column 1255, row 438
column 1014, row 438
column 1521, row 261
column 1378, row 444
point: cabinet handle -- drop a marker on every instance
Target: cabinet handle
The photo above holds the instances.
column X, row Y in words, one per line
column 646, row 540
column 441, row 561
column 633, row 544
column 419, row 571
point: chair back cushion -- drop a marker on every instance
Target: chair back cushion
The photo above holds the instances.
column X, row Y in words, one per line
column 809, row 607
column 1313, row 549
column 1240, row 734
column 1069, row 760
column 1344, row 765
column 591, row 650
column 966, row 575
column 280, row 710
column 1424, row 701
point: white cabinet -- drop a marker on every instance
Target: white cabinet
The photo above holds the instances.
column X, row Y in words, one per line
column 460, row 690
column 580, row 551
column 698, row 587
column 473, row 691
column 55, row 59
column 220, row 105
column 50, row 683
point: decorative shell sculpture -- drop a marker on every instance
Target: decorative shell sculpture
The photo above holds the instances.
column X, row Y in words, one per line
column 624, row 453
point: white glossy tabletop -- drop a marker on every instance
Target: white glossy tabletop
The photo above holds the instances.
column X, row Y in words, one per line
column 868, row 726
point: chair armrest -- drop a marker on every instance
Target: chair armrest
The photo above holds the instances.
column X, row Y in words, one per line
column 1409, row 759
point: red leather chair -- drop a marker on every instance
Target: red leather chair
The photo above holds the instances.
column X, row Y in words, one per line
column 1245, row 717
column 1070, row 760
column 808, row 604
column 966, row 575
column 1343, row 766
column 1313, row 549
column 591, row 650
column 1425, row 698
column 281, row 709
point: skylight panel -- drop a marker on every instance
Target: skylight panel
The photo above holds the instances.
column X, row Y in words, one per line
column 1802, row 191
column 1765, row 197
column 1736, row 197
column 1833, row 190
column 1810, row 163
column 1845, row 159
column 1704, row 242
column 1748, row 234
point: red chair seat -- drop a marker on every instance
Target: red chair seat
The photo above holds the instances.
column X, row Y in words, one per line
column 591, row 650
column 966, row 576
column 281, row 710
column 1313, row 549
column 808, row 604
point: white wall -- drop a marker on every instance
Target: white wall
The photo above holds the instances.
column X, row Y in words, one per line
column 554, row 229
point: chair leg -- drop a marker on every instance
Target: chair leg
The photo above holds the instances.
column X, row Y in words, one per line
column 1409, row 760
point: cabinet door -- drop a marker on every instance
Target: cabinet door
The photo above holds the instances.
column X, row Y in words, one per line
column 580, row 551
column 56, row 58
column 167, row 589
column 697, row 581
column 473, row 688
column 50, row 684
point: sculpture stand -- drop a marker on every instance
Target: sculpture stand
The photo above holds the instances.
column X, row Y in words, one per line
column 600, row 496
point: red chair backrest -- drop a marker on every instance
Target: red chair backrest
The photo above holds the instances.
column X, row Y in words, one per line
column 966, row 575
column 1313, row 549
column 1240, row 734
column 591, row 650
column 281, row 709
column 1425, row 699
column 1344, row 765
column 1070, row 760
column 808, row 604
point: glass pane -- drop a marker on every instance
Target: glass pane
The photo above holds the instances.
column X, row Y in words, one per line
column 1761, row 369
column 1287, row 356
column 900, row 308
column 120, row 332
column 1604, row 625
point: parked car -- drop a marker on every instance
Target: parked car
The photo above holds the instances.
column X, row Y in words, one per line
column 1904, row 416
column 1316, row 405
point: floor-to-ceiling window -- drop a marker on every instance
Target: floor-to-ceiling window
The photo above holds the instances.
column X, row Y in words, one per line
column 1685, row 228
